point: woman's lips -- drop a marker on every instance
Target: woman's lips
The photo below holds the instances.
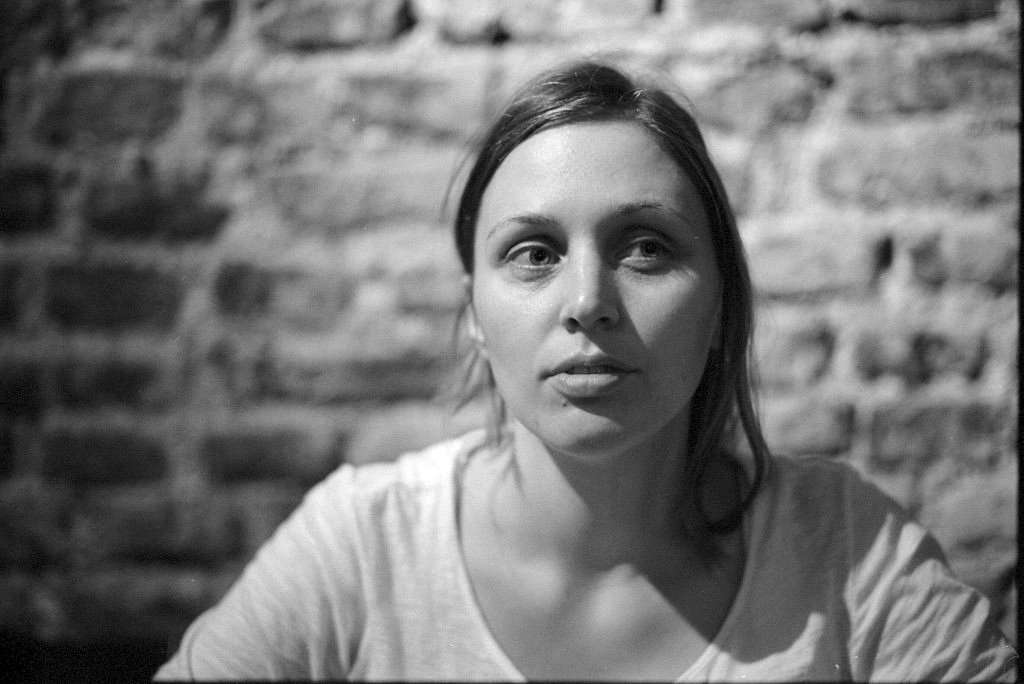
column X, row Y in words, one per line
column 591, row 370
column 586, row 381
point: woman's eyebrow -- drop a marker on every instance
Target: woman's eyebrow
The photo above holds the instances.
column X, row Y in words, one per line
column 539, row 220
column 531, row 220
column 631, row 208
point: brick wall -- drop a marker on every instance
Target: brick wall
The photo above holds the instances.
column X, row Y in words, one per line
column 225, row 265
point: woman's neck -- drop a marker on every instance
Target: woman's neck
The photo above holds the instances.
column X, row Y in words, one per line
column 575, row 565
column 591, row 515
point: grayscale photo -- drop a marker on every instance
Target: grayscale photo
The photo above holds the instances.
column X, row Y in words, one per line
column 495, row 340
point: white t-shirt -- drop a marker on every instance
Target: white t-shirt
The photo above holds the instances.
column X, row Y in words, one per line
column 366, row 580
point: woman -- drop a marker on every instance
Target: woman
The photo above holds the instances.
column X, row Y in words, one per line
column 604, row 527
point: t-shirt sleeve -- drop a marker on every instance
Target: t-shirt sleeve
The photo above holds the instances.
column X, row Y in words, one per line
column 915, row 621
column 295, row 610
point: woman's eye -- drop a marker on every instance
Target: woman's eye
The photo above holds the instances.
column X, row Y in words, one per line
column 533, row 256
column 646, row 251
column 651, row 249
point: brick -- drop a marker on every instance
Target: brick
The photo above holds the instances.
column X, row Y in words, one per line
column 10, row 302
column 885, row 81
column 110, row 106
column 396, row 187
column 419, row 98
column 919, row 356
column 296, row 109
column 988, row 257
column 813, row 255
column 151, row 527
column 320, row 24
column 794, row 14
column 141, row 210
column 465, row 21
column 926, row 262
column 920, row 167
column 164, row 28
column 933, row 355
column 979, row 249
column 36, row 526
column 385, row 433
column 22, row 389
column 793, row 348
column 735, row 166
column 916, row 11
column 244, row 456
column 126, row 603
column 28, row 201
column 102, row 457
column 242, row 289
column 496, row 22
column 115, row 526
column 209, row 531
column 878, row 353
column 808, row 425
column 760, row 97
column 581, row 15
column 31, row 29
column 332, row 381
column 85, row 384
column 414, row 252
column 980, row 432
column 373, row 356
column 295, row 298
column 208, row 23
column 429, row 292
column 113, row 297
column 233, row 111
column 419, row 273
column 909, row 436
column 262, row 507
column 242, row 362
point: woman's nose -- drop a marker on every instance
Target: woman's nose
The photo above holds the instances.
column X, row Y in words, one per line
column 591, row 299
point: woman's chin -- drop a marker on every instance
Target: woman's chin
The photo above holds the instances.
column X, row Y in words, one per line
column 587, row 436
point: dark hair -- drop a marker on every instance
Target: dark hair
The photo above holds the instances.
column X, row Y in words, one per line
column 723, row 400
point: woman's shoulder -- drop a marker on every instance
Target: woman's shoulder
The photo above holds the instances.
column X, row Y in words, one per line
column 817, row 481
column 829, row 504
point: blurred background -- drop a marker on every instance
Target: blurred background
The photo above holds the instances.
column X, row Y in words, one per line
column 226, row 268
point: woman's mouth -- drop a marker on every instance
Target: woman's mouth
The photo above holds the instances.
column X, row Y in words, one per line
column 589, row 380
column 591, row 370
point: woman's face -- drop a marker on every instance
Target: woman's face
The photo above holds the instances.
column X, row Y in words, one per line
column 595, row 289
